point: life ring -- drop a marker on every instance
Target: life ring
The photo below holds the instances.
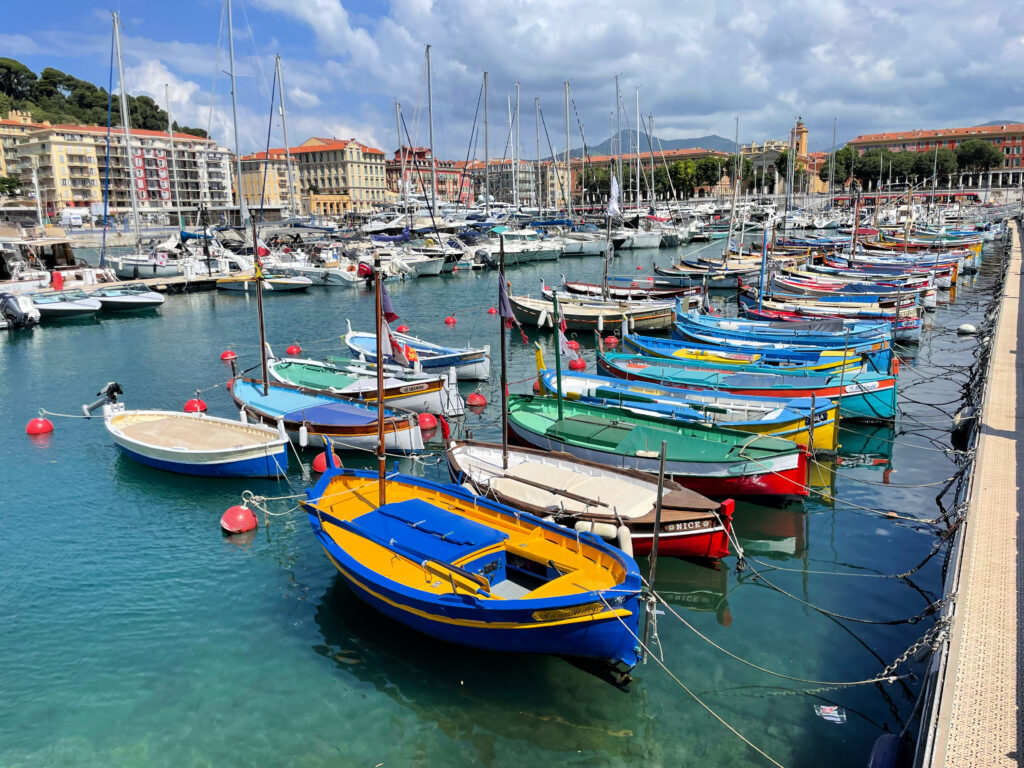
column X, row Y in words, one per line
column 429, row 242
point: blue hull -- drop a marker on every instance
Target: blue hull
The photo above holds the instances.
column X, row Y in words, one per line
column 273, row 465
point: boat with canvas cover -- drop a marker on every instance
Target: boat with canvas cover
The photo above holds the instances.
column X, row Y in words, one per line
column 705, row 458
column 595, row 498
column 585, row 314
column 311, row 417
column 468, row 570
column 861, row 395
column 192, row 443
column 433, row 394
column 470, row 364
column 792, row 419
column 131, row 297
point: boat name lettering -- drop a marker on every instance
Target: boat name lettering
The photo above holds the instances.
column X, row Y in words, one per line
column 688, row 525
column 861, row 386
column 558, row 614
column 410, row 388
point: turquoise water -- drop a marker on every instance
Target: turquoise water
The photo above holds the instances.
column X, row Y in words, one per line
column 133, row 633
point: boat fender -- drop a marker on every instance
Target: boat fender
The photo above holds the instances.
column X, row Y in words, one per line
column 600, row 323
column 632, row 324
column 604, row 530
column 624, row 540
column 648, row 454
column 242, row 415
column 303, row 436
column 542, row 318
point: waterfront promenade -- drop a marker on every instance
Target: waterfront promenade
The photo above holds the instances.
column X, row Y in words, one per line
column 977, row 722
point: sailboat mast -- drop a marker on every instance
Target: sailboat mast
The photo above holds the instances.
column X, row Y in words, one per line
column 735, row 187
column 568, row 191
column 174, row 176
column 126, row 126
column 487, row 156
column 284, row 132
column 832, row 163
column 558, row 353
column 404, row 190
column 430, row 121
column 618, row 127
column 516, row 151
column 636, row 133
column 536, row 108
column 381, row 458
column 504, row 372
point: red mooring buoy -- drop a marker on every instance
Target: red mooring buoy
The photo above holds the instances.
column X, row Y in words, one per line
column 239, row 519
column 639, row 266
column 450, row 320
column 427, row 421
column 227, row 354
column 611, row 341
column 579, row 364
column 574, row 345
column 475, row 399
column 402, row 329
column 195, row 405
column 39, row 426
column 320, row 462
column 536, row 386
column 294, row 349
column 492, row 311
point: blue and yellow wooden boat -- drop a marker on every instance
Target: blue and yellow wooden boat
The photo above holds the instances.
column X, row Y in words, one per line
column 467, row 570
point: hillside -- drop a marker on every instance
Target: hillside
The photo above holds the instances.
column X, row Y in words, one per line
column 61, row 98
column 711, row 141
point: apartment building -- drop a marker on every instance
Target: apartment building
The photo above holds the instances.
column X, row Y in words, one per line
column 453, row 183
column 266, row 182
column 340, row 175
column 72, row 169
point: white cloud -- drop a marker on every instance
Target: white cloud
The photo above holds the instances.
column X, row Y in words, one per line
column 303, row 98
column 19, row 45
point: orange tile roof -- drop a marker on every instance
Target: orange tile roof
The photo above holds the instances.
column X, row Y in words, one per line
column 118, row 131
column 328, row 145
column 982, row 130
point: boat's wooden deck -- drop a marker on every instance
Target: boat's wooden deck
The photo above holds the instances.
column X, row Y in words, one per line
column 188, row 433
column 979, row 705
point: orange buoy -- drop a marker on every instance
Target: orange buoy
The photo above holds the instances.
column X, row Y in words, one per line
column 294, row 349
column 492, row 311
column 574, row 345
column 239, row 519
column 320, row 462
column 536, row 386
column 39, row 426
column 639, row 266
column 427, row 421
column 195, row 405
column 227, row 354
column 611, row 341
column 476, row 399
column 402, row 328
column 579, row 364
column 450, row 320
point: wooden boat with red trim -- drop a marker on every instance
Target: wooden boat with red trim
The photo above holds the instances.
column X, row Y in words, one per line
column 595, row 498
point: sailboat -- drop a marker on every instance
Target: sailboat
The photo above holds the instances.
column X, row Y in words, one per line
column 461, row 568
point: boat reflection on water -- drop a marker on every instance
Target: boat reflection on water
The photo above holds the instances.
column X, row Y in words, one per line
column 695, row 586
column 476, row 698
column 866, row 445
column 778, row 533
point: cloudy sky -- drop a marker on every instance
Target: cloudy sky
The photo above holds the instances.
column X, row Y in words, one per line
column 901, row 64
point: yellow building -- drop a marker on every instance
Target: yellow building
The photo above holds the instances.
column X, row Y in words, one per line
column 266, row 181
column 14, row 127
column 341, row 174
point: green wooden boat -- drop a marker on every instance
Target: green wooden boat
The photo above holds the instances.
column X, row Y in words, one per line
column 709, row 459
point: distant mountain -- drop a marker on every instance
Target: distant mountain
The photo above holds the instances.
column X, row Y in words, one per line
column 999, row 122
column 711, row 141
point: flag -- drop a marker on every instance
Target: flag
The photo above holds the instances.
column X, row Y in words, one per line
column 613, row 200
column 563, row 344
column 261, row 248
column 397, row 350
column 385, row 302
column 504, row 305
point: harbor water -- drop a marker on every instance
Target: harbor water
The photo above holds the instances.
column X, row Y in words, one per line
column 133, row 633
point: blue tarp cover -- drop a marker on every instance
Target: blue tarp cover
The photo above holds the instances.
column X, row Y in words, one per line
column 427, row 530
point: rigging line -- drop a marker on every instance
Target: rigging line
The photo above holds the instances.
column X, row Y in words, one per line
column 266, row 158
column 692, row 695
column 473, row 137
column 730, row 654
column 216, row 72
column 551, row 149
column 854, row 479
column 252, row 39
column 423, row 184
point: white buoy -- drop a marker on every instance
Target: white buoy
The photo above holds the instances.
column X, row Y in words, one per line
column 967, row 330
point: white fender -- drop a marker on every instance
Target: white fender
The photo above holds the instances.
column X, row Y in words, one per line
column 542, row 318
column 604, row 530
column 624, row 540
column 242, row 415
column 600, row 323
column 303, row 436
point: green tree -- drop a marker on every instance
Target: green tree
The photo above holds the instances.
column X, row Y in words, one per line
column 978, row 156
column 708, row 171
column 943, row 164
column 16, row 80
column 782, row 166
column 9, row 185
column 843, row 161
column 684, row 177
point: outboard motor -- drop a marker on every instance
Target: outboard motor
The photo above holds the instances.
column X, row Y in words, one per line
column 107, row 397
column 18, row 311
